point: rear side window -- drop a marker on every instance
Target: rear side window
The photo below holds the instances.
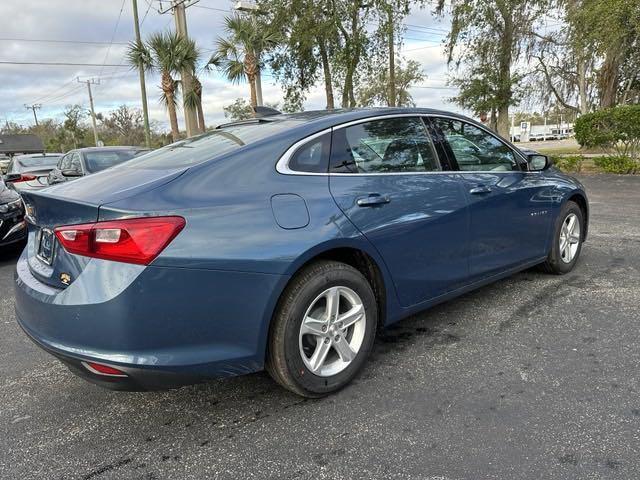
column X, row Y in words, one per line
column 215, row 143
column 394, row 145
column 65, row 163
column 312, row 157
column 103, row 159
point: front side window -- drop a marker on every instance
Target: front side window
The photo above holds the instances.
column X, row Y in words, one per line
column 474, row 149
column 394, row 145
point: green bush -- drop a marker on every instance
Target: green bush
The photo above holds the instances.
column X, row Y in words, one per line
column 614, row 129
column 569, row 164
column 617, row 164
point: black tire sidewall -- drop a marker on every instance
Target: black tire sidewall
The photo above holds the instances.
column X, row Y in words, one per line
column 300, row 374
column 555, row 258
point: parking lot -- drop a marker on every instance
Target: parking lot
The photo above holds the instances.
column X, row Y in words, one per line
column 533, row 377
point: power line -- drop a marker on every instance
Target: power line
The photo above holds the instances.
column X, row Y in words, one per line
column 51, row 93
column 113, row 36
column 75, row 89
column 212, row 8
column 43, row 40
column 149, row 5
column 73, row 64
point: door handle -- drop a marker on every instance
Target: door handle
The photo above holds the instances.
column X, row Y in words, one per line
column 480, row 189
column 372, row 200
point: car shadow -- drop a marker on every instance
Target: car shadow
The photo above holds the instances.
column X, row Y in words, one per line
column 9, row 254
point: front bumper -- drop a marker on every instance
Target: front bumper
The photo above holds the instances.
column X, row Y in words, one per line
column 163, row 327
column 12, row 230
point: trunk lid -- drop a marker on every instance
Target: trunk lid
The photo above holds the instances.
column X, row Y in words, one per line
column 73, row 203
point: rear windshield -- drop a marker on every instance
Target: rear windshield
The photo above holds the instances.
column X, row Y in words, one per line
column 209, row 145
column 30, row 162
column 103, row 159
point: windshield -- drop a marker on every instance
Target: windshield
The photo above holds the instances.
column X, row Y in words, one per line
column 49, row 161
column 212, row 144
column 103, row 159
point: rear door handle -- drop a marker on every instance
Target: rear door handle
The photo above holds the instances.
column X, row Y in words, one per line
column 480, row 189
column 372, row 200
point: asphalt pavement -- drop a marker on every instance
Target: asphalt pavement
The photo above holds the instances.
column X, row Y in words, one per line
column 533, row 377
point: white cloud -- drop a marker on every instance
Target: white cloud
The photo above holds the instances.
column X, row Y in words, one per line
column 94, row 20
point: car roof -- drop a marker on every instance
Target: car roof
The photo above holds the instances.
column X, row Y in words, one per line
column 321, row 119
column 37, row 155
column 107, row 149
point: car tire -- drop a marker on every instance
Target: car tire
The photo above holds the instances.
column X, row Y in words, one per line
column 562, row 260
column 311, row 350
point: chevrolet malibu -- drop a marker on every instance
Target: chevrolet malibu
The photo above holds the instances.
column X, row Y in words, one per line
column 283, row 242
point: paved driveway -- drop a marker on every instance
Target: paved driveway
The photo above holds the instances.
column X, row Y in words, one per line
column 533, row 377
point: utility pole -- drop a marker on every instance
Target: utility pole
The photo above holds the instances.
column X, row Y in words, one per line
column 253, row 9
column 89, row 82
column 178, row 8
column 33, row 108
column 143, row 86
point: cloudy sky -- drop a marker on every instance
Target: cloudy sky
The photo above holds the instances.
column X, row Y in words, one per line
column 52, row 31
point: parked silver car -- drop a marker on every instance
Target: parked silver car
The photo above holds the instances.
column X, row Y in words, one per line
column 30, row 172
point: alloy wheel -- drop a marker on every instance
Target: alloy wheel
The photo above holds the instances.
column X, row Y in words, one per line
column 332, row 331
column 569, row 238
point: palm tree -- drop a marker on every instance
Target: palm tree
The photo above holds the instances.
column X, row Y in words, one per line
column 193, row 98
column 238, row 55
column 168, row 54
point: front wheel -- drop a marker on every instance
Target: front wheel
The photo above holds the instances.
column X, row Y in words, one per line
column 567, row 240
column 323, row 330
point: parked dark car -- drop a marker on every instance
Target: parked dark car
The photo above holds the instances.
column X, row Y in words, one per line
column 30, row 172
column 84, row 161
column 13, row 227
column 284, row 242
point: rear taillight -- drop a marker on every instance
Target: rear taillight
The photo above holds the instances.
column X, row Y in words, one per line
column 24, row 178
column 132, row 240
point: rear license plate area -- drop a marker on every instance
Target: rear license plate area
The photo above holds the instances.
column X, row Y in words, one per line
column 45, row 245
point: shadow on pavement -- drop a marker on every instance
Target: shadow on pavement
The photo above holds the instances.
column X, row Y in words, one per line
column 10, row 253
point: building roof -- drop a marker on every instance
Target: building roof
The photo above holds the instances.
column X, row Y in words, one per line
column 20, row 143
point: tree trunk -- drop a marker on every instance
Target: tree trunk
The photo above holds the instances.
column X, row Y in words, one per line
column 251, row 70
column 348, row 78
column 168, row 87
column 326, row 69
column 254, row 95
column 259, row 87
column 353, row 58
column 197, row 88
column 504, row 73
column 503, row 121
column 392, row 60
column 609, row 78
column 582, row 85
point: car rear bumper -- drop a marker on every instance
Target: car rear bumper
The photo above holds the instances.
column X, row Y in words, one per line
column 163, row 327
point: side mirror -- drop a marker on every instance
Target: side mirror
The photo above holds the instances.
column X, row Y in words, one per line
column 71, row 173
column 538, row 162
column 12, row 177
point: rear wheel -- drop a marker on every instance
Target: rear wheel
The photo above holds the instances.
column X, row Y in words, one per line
column 323, row 330
column 567, row 240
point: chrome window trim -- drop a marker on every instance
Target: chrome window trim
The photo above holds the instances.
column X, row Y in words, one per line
column 282, row 166
column 486, row 130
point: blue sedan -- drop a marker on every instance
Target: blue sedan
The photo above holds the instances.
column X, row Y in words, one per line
column 283, row 242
